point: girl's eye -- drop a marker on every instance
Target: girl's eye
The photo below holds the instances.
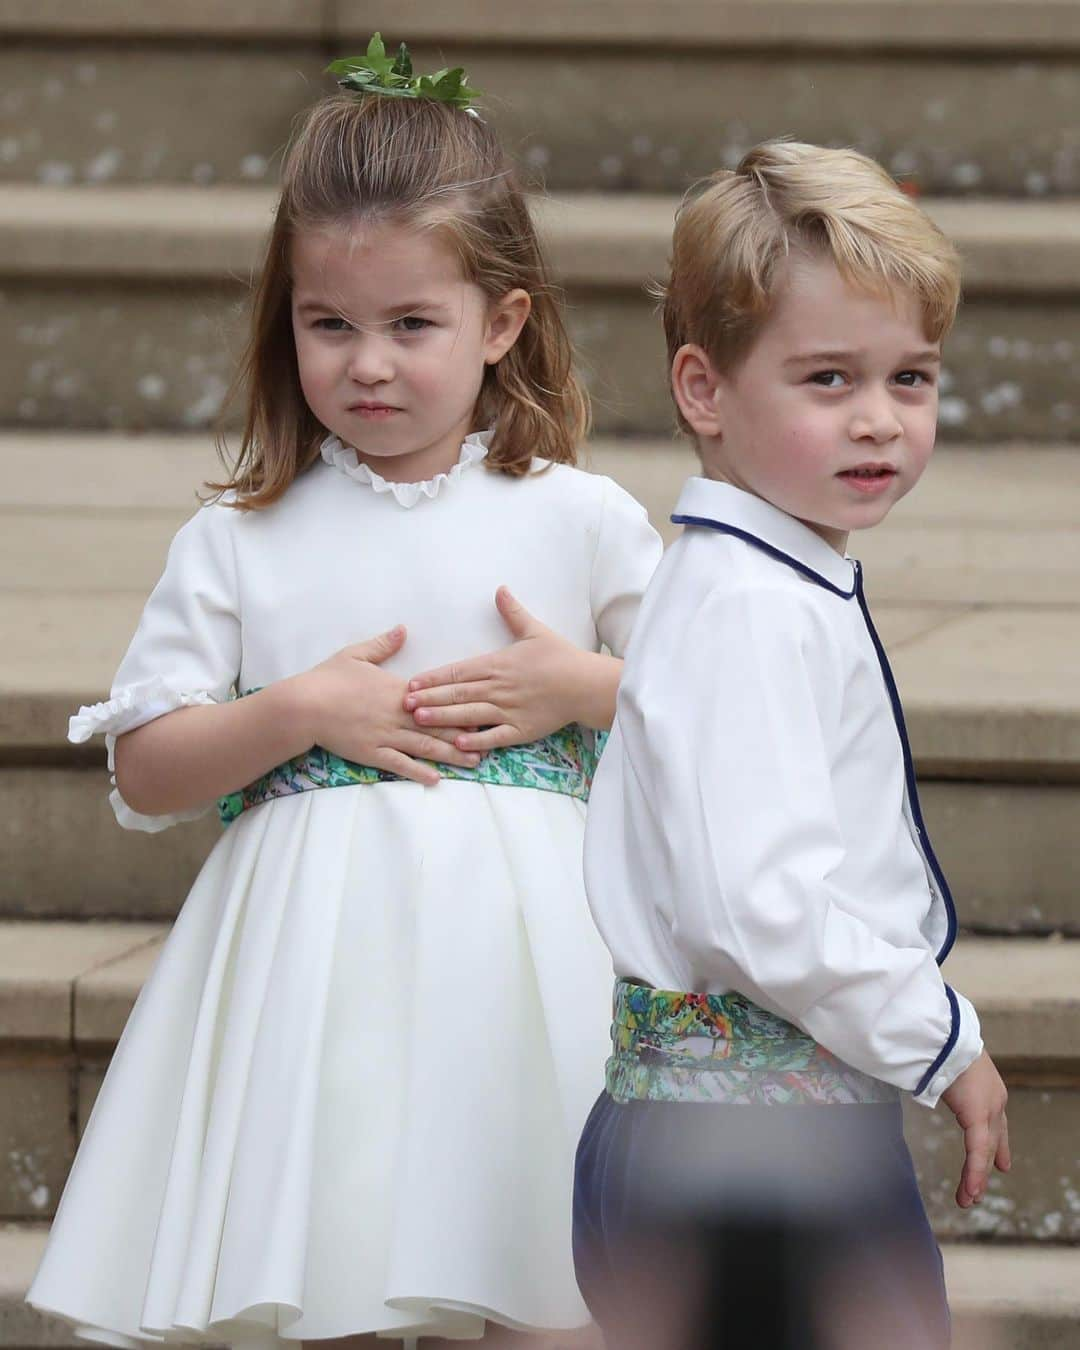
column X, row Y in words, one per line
column 412, row 323
column 914, row 379
column 333, row 324
column 827, row 379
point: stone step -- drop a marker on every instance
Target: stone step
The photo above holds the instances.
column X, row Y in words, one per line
column 120, row 92
column 1008, row 850
column 1002, row 1297
column 980, row 616
column 66, row 990
column 124, row 307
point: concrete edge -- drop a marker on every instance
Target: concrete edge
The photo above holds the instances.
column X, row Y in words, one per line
column 1025, row 1292
column 998, row 974
column 846, row 25
column 103, row 997
column 1013, row 744
column 82, row 993
column 598, row 241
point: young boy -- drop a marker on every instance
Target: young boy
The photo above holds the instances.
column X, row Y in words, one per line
column 755, row 854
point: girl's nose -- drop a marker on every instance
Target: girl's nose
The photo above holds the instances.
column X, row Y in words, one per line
column 370, row 359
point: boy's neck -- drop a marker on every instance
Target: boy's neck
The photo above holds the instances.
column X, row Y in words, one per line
column 836, row 539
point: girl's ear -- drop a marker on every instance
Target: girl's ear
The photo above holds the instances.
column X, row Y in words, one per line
column 506, row 319
column 696, row 388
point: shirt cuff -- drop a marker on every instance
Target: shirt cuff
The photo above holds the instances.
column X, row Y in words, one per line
column 962, row 1048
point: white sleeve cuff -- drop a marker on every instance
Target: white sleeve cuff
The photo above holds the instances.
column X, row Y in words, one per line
column 129, row 708
column 962, row 1048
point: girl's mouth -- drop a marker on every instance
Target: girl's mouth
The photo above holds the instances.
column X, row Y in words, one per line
column 373, row 411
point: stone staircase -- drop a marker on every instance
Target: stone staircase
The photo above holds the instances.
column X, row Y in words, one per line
column 138, row 147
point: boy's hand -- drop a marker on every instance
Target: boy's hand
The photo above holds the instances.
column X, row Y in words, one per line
column 353, row 709
column 517, row 694
column 977, row 1099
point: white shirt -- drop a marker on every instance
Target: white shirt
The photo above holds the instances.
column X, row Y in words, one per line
column 248, row 598
column 754, row 824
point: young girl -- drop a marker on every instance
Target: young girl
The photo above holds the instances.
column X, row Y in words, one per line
column 348, row 1097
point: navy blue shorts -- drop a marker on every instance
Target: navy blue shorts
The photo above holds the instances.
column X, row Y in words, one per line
column 700, row 1225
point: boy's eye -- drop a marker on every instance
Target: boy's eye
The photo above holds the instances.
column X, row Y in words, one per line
column 827, row 379
column 914, row 379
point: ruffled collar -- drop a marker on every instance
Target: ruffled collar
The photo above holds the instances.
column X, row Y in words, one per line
column 343, row 457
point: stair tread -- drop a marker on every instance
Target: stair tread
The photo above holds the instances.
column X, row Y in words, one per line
column 1002, row 1278
column 975, row 582
column 597, row 239
column 1027, row 990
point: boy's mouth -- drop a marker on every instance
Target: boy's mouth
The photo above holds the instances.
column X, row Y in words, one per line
column 869, row 477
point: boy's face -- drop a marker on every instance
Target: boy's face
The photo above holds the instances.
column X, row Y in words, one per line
column 832, row 414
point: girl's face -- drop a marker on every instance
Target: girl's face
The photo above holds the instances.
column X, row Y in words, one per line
column 392, row 341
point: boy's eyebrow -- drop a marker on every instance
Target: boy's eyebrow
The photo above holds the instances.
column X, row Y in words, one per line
column 921, row 357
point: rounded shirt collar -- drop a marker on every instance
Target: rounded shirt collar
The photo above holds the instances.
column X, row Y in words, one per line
column 721, row 506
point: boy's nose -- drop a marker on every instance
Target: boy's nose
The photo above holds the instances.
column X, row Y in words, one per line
column 875, row 420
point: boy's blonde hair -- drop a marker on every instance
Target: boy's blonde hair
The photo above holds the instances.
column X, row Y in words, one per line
column 734, row 233
column 424, row 165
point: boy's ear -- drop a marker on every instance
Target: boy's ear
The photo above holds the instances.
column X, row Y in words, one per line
column 696, row 387
column 506, row 319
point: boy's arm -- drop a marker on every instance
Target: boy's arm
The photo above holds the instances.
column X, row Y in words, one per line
column 735, row 744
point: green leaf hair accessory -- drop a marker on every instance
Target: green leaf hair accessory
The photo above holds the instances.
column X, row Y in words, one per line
column 377, row 73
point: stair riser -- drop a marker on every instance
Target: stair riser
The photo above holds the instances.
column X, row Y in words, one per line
column 1005, row 848
column 46, row 1100
column 36, row 1134
column 94, row 354
column 580, row 118
column 1009, row 372
column 1023, row 1330
column 1039, row 1199
column 66, row 857
column 1008, row 852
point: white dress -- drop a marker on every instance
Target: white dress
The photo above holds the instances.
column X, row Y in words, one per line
column 348, row 1097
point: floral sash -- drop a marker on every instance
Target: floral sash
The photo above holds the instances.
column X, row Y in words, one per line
column 562, row 762
column 722, row 1048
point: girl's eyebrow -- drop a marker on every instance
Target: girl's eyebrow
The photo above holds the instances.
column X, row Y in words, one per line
column 411, row 306
column 921, row 357
column 395, row 311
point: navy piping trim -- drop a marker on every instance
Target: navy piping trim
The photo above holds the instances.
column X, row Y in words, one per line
column 776, row 553
column 909, row 772
column 946, row 1049
column 890, row 687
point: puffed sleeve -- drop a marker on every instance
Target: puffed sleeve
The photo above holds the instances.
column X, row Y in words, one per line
column 754, row 843
column 186, row 648
column 627, row 552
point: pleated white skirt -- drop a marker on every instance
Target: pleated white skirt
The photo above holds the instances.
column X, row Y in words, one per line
column 348, row 1098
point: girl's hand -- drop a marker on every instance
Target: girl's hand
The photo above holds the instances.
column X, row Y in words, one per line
column 353, row 709
column 977, row 1099
column 519, row 693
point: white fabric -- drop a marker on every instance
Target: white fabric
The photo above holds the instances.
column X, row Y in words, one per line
column 749, row 827
column 344, row 457
column 349, row 1095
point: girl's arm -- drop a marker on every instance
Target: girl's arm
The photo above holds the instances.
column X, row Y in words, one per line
column 347, row 705
column 520, row 693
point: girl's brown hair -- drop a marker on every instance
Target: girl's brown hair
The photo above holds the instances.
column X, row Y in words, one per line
column 424, row 165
